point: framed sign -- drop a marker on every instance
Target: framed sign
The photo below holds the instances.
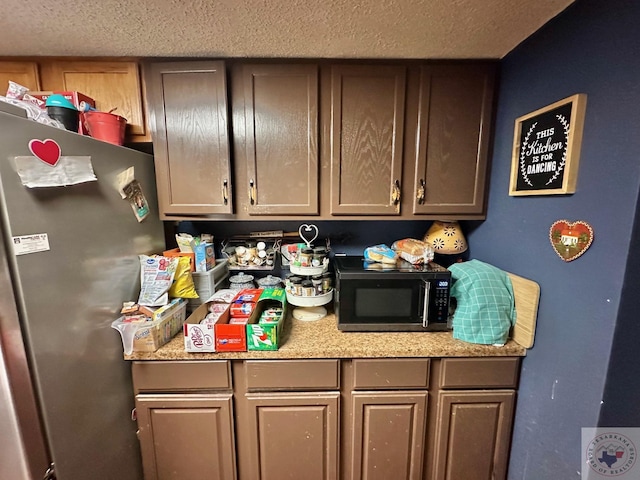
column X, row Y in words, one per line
column 546, row 148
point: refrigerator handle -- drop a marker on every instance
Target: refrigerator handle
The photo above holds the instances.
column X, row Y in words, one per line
column 50, row 474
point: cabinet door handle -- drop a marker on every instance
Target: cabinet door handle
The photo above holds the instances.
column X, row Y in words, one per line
column 225, row 191
column 252, row 192
column 421, row 191
column 395, row 193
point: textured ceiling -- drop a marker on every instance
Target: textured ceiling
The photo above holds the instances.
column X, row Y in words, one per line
column 428, row 29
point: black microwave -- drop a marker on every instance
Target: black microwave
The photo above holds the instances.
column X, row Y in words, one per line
column 375, row 297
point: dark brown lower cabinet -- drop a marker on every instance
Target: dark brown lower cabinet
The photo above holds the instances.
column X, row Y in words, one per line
column 293, row 435
column 186, row 436
column 326, row 419
column 388, row 431
column 473, row 434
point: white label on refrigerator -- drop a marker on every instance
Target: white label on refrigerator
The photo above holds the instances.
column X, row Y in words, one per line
column 38, row 242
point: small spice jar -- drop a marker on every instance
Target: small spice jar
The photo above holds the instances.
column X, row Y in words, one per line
column 295, row 285
column 307, row 288
column 327, row 282
column 306, row 255
column 316, row 280
column 252, row 251
column 319, row 254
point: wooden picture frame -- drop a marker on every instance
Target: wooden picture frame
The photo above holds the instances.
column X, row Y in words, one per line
column 546, row 148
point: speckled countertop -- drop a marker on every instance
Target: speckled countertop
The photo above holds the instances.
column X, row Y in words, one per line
column 322, row 339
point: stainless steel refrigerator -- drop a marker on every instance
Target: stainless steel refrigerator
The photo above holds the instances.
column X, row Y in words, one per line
column 65, row 390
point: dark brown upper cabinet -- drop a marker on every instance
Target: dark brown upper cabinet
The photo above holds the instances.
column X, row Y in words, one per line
column 365, row 138
column 454, row 129
column 188, row 118
column 280, row 139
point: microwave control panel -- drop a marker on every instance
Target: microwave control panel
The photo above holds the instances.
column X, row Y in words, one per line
column 441, row 300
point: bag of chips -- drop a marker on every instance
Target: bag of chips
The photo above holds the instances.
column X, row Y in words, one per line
column 183, row 286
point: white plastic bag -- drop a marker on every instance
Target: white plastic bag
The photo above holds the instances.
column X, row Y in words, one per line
column 156, row 277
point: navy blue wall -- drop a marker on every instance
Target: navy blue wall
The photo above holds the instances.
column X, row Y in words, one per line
column 621, row 407
column 590, row 48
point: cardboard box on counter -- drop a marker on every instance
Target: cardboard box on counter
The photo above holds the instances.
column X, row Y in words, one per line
column 199, row 337
column 205, row 257
column 224, row 336
column 219, row 337
column 175, row 252
column 267, row 336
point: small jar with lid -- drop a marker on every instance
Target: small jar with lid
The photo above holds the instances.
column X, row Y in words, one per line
column 307, row 288
column 241, row 255
column 269, row 281
column 295, row 286
column 287, row 281
column 252, row 251
column 305, row 257
column 317, row 284
column 241, row 281
column 327, row 282
column 319, row 254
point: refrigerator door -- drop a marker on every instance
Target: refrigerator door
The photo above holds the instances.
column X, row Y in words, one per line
column 68, row 295
column 23, row 448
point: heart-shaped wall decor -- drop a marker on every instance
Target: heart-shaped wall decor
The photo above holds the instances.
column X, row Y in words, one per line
column 48, row 151
column 570, row 239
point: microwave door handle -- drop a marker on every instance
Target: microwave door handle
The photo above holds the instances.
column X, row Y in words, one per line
column 425, row 308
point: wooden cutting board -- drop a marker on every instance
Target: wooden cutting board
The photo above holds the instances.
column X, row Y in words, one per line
column 527, row 296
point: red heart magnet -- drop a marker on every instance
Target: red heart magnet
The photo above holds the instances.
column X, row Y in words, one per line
column 47, row 151
column 570, row 239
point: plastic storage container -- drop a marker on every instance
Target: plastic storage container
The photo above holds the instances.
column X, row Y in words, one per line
column 151, row 335
column 207, row 283
column 69, row 117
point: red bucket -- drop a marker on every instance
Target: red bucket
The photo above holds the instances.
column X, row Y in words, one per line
column 105, row 126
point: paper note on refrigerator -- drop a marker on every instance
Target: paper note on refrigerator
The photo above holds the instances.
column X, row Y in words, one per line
column 68, row 171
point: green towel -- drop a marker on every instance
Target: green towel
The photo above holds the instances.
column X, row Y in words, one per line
column 485, row 303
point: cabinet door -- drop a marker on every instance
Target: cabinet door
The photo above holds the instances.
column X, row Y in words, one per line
column 23, row 73
column 281, row 138
column 188, row 112
column 293, row 436
column 455, row 114
column 186, row 436
column 113, row 85
column 388, row 435
column 473, row 435
column 366, row 139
